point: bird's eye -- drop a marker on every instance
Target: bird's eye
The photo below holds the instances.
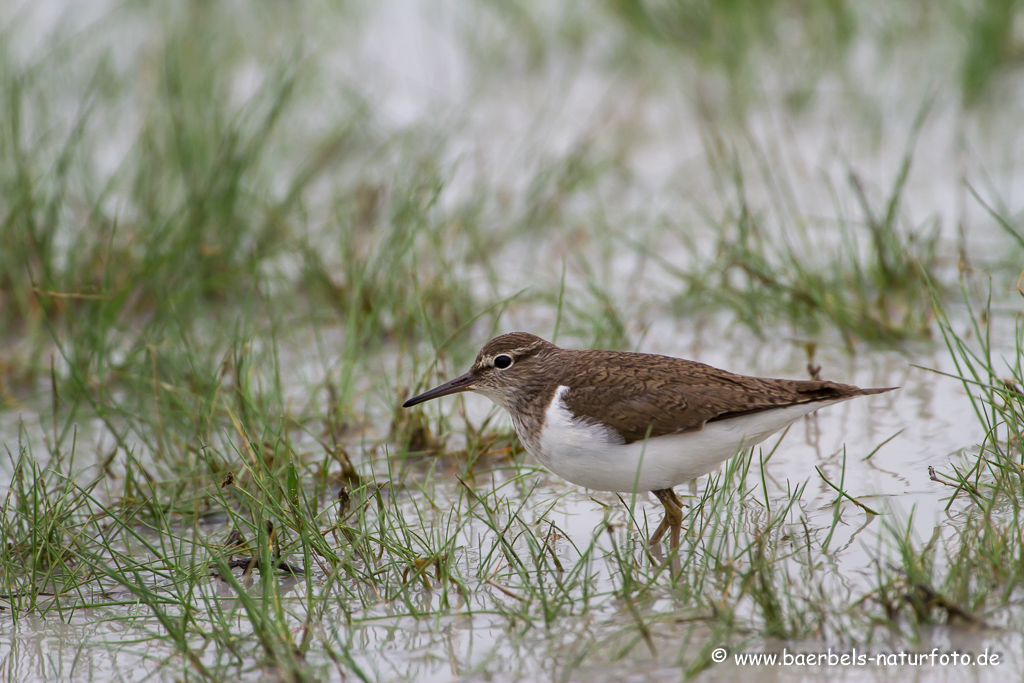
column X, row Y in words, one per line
column 502, row 361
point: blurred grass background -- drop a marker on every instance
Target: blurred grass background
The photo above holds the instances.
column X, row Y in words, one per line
column 168, row 169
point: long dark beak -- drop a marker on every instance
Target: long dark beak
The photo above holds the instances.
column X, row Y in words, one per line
column 455, row 386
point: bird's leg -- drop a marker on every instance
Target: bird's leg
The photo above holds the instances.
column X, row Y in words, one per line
column 673, row 519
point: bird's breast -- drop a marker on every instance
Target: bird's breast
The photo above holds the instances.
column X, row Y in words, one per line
column 594, row 455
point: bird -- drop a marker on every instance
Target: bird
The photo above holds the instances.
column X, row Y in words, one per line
column 633, row 422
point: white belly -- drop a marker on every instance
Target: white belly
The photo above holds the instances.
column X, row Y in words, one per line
column 590, row 455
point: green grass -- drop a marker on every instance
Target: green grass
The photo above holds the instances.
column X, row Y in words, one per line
column 863, row 277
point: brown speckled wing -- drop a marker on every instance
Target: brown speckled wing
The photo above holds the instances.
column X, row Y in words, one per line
column 676, row 395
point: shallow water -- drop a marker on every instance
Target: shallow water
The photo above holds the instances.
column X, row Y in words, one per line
column 417, row 68
column 475, row 642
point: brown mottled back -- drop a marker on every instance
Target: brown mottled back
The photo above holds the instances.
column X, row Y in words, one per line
column 664, row 395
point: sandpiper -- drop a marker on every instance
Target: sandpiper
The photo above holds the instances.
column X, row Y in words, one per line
column 620, row 421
